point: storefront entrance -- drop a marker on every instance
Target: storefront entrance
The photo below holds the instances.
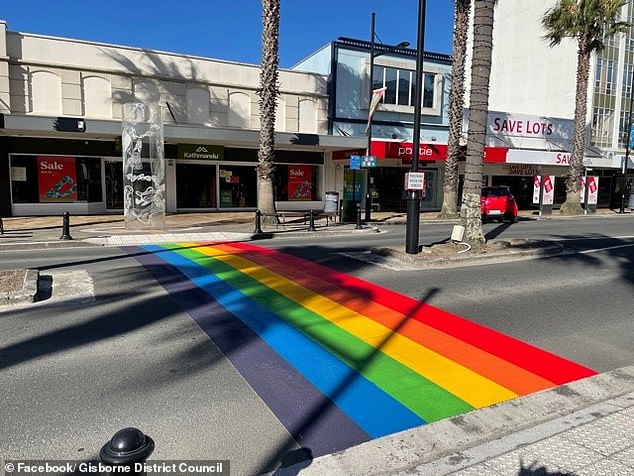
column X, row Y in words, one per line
column 196, row 186
column 388, row 192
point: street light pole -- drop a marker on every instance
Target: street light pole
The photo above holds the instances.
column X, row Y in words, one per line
column 374, row 54
column 627, row 145
column 368, row 194
column 413, row 198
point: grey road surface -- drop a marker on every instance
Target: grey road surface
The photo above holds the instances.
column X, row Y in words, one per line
column 75, row 369
column 111, row 348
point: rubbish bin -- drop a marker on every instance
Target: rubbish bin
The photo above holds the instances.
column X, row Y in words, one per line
column 631, row 204
column 331, row 203
column 348, row 212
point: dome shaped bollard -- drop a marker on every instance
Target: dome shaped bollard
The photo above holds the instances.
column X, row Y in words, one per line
column 127, row 447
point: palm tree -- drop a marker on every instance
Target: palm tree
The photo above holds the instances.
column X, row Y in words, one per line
column 268, row 93
column 456, row 104
column 590, row 22
column 478, row 109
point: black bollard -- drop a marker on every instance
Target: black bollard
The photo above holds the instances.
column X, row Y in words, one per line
column 127, row 447
column 258, row 222
column 1, row 227
column 358, row 227
column 66, row 227
column 311, row 222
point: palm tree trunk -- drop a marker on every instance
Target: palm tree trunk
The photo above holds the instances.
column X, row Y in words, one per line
column 572, row 206
column 478, row 109
column 456, row 104
column 268, row 93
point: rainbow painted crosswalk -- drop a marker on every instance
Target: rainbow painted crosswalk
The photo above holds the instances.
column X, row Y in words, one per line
column 340, row 360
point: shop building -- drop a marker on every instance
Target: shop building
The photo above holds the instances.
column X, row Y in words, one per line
column 532, row 99
column 60, row 128
column 347, row 64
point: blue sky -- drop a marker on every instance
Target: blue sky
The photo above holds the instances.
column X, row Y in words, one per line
column 230, row 29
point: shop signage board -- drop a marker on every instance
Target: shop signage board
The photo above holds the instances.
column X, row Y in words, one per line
column 415, row 181
column 592, row 184
column 201, row 152
column 548, row 197
column 57, row 179
column 544, row 157
column 355, row 162
column 509, row 125
column 429, row 152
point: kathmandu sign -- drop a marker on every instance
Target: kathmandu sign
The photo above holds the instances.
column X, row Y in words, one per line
column 204, row 152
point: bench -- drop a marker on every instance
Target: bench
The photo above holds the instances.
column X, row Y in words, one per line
column 305, row 215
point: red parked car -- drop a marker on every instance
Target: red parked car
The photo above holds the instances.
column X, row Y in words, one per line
column 499, row 203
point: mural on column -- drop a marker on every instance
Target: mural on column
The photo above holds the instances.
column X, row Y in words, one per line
column 143, row 166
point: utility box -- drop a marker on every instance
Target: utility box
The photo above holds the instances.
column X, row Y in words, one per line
column 458, row 233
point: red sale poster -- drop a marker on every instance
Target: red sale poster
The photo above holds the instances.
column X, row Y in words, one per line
column 57, row 179
column 300, row 182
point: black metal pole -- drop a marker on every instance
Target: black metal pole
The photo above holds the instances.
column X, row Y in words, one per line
column 627, row 146
column 258, row 222
column 311, row 221
column 66, row 227
column 354, row 190
column 368, row 194
column 413, row 198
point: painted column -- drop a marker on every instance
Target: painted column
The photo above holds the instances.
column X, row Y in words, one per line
column 143, row 166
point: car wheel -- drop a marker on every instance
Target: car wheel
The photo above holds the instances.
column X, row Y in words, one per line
column 511, row 218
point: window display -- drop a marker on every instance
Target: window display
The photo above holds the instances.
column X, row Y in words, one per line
column 46, row 179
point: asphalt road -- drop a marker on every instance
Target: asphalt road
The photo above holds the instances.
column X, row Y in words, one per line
column 579, row 305
column 74, row 370
column 112, row 359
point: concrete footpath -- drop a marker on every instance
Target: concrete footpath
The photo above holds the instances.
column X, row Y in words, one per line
column 583, row 428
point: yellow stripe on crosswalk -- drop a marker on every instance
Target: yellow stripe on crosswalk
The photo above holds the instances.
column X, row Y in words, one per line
column 462, row 382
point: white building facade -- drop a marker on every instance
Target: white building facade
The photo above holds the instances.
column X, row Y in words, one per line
column 533, row 84
column 60, row 116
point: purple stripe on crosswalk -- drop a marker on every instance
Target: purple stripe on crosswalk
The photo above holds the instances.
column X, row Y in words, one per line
column 311, row 418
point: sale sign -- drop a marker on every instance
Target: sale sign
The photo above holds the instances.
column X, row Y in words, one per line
column 300, row 182
column 549, row 190
column 548, row 184
column 57, row 179
column 592, row 185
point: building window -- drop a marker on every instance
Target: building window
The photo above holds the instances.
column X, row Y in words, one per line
column 97, row 97
column 627, row 79
column 54, row 179
column 198, row 105
column 239, row 110
column 297, row 182
column 604, row 78
column 46, row 93
column 308, row 116
column 400, row 86
column 146, row 91
column 602, row 121
column 238, row 185
column 623, row 123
